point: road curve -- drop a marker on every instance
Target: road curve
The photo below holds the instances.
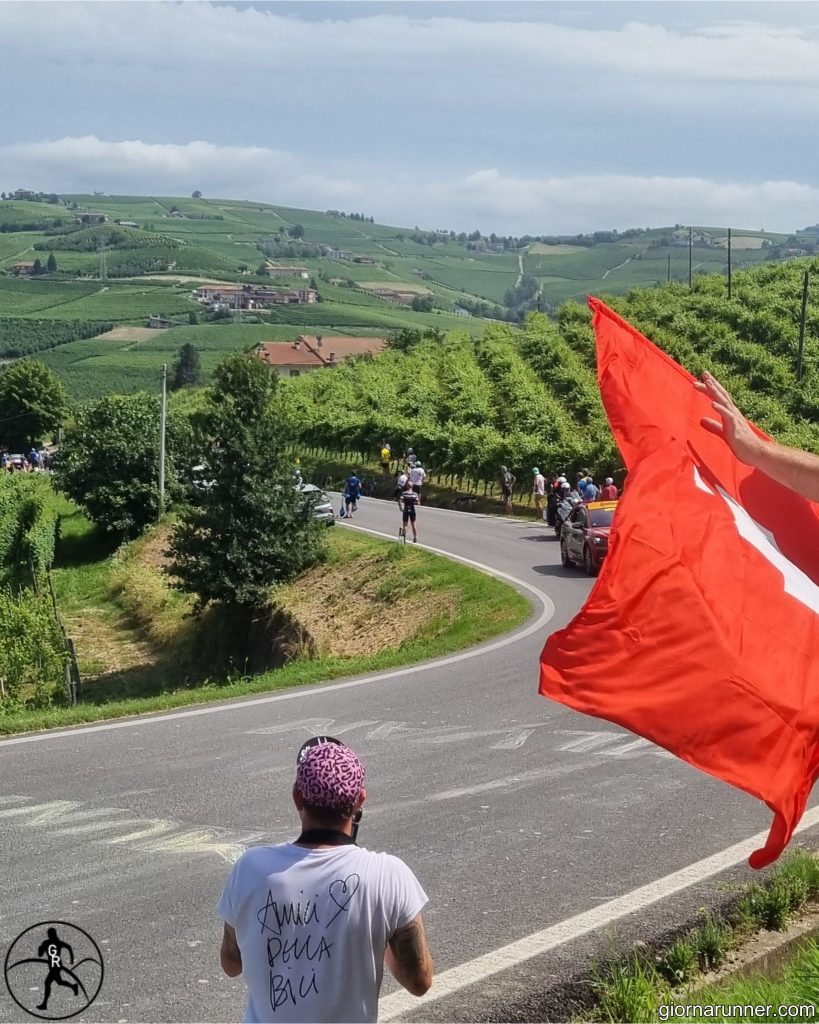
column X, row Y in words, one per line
column 518, row 815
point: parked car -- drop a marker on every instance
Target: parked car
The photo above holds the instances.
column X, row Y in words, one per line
column 323, row 507
column 585, row 535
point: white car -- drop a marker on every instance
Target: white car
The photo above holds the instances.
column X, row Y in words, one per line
column 323, row 507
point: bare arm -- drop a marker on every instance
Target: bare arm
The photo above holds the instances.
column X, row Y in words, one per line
column 230, row 955
column 790, row 467
column 409, row 959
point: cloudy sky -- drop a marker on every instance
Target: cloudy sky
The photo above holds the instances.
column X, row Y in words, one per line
column 539, row 117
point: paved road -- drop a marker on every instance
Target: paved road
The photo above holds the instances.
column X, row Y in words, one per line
column 516, row 813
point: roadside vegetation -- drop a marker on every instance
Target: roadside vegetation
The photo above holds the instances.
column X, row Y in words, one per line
column 635, row 986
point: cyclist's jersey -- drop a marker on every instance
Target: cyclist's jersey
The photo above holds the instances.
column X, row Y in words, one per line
column 353, row 487
column 385, row 456
column 410, row 501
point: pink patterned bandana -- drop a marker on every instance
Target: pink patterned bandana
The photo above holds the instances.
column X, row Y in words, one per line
column 330, row 776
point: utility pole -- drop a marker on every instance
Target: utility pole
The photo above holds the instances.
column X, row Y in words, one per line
column 668, row 269
column 690, row 257
column 729, row 263
column 162, row 416
column 802, row 326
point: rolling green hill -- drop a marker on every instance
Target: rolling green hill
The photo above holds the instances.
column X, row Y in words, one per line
column 156, row 249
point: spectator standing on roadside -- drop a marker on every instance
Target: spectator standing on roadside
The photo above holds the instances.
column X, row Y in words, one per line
column 347, row 909
column 507, row 486
column 386, row 455
column 609, row 492
column 538, row 490
column 793, row 468
column 417, row 475
column 590, row 491
column 401, row 479
column 410, row 459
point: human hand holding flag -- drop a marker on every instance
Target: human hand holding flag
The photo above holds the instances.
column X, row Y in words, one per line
column 702, row 631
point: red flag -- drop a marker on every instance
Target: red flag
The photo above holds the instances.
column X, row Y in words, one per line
column 702, row 631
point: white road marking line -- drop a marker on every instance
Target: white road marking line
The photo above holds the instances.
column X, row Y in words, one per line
column 588, row 741
column 140, row 722
column 514, row 741
column 515, row 953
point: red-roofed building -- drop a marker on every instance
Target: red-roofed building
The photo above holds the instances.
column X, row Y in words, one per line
column 313, row 352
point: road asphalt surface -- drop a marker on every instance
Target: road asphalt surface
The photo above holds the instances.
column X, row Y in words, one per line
column 534, row 830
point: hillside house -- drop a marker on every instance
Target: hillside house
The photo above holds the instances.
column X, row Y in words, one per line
column 314, row 352
column 280, row 270
column 91, row 218
column 393, row 295
column 249, row 296
column 23, row 269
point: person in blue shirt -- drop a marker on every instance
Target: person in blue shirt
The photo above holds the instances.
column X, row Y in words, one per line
column 352, row 492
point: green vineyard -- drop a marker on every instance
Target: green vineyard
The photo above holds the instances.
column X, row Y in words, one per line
column 530, row 398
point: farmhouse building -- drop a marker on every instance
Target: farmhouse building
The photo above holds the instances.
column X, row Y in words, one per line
column 91, row 218
column 314, row 352
column 280, row 270
column 23, row 269
column 249, row 296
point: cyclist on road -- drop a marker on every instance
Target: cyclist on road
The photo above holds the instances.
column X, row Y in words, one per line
column 408, row 503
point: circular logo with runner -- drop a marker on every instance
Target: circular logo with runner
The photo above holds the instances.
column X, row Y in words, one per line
column 53, row 970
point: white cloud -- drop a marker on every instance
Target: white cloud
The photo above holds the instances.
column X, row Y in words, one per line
column 173, row 37
column 487, row 198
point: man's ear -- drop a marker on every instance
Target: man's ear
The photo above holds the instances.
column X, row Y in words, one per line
column 298, row 799
column 362, row 796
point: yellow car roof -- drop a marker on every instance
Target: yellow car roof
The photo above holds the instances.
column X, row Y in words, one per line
column 602, row 504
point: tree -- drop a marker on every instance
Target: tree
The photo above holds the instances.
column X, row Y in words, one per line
column 193, row 318
column 252, row 528
column 297, row 231
column 38, row 267
column 108, row 462
column 33, row 403
column 196, row 194
column 422, row 303
column 51, row 264
column 187, row 369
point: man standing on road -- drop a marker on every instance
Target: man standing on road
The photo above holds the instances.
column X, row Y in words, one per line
column 791, row 467
column 538, row 490
column 352, row 492
column 590, row 490
column 311, row 923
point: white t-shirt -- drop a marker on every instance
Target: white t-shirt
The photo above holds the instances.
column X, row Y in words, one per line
column 417, row 476
column 312, row 926
column 538, row 484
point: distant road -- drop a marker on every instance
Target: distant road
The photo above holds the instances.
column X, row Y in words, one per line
column 531, row 827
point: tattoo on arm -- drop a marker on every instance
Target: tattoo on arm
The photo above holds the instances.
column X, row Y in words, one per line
column 412, row 960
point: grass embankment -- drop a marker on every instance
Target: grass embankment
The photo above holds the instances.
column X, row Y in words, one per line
column 789, row 995
column 635, row 987
column 370, row 606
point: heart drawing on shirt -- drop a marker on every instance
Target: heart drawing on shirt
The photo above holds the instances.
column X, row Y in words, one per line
column 342, row 891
